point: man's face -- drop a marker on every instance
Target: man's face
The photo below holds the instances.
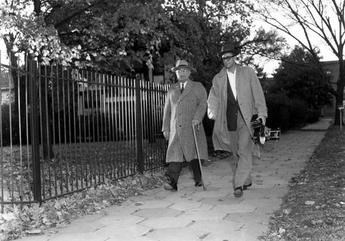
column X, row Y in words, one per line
column 228, row 60
column 182, row 74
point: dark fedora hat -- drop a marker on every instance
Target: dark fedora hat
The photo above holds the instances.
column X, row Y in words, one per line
column 230, row 47
column 181, row 63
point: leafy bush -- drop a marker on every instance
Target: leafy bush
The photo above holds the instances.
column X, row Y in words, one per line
column 286, row 113
column 278, row 111
column 301, row 77
column 298, row 112
column 313, row 115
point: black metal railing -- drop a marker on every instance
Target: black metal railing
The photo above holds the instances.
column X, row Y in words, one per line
column 64, row 130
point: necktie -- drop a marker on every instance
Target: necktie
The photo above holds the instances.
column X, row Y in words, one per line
column 182, row 87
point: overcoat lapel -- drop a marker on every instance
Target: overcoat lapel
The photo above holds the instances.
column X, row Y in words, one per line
column 176, row 92
column 242, row 94
column 224, row 77
column 238, row 83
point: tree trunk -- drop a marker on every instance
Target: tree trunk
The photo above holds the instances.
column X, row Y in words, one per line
column 45, row 115
column 201, row 8
column 340, row 92
column 37, row 7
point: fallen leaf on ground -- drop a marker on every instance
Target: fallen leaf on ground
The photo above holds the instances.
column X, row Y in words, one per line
column 34, row 231
column 309, row 202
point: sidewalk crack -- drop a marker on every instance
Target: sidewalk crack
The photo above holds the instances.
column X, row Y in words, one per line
column 204, row 236
column 226, row 216
column 150, row 231
column 143, row 220
column 191, row 223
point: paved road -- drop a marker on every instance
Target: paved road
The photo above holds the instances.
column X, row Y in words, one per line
column 192, row 214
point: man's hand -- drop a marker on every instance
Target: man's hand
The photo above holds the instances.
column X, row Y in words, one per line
column 263, row 119
column 196, row 123
column 166, row 135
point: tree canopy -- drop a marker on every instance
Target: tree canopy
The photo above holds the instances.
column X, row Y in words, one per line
column 299, row 77
column 131, row 36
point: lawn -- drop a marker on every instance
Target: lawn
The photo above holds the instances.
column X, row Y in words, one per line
column 314, row 207
column 74, row 167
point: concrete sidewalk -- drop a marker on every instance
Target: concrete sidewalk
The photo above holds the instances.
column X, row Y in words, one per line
column 192, row 214
column 321, row 125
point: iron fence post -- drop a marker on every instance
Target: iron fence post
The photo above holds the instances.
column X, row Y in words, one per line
column 138, row 125
column 340, row 109
column 34, row 126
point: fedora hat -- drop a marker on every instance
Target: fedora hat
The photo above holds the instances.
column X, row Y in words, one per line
column 181, row 63
column 230, row 48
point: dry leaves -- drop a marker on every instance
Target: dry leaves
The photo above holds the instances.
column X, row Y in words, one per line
column 313, row 209
column 34, row 219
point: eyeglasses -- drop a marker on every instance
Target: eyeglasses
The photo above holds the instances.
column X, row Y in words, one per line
column 227, row 58
column 183, row 69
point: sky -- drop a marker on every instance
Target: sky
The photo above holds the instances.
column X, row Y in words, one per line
column 283, row 17
column 270, row 66
column 325, row 52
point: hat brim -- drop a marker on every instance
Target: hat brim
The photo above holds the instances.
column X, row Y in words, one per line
column 234, row 53
column 174, row 69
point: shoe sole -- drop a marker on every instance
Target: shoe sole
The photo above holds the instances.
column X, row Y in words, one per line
column 169, row 188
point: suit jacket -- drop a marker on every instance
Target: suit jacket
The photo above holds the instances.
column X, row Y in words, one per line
column 179, row 111
column 251, row 100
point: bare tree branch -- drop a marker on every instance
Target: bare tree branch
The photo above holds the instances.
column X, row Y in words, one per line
column 339, row 12
column 301, row 23
column 324, row 18
column 283, row 27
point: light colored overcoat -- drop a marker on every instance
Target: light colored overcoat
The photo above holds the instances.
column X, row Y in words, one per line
column 179, row 111
column 251, row 100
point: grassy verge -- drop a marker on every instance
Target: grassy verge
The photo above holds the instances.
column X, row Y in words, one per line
column 314, row 208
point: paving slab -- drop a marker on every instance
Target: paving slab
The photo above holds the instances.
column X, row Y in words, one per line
column 167, row 222
column 174, row 234
column 157, row 212
column 194, row 214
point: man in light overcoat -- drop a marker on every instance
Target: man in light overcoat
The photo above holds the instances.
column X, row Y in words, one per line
column 185, row 105
column 236, row 95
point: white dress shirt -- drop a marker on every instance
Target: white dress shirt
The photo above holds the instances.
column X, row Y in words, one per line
column 232, row 80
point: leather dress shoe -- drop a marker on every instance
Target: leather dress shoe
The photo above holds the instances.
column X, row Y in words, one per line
column 238, row 192
column 246, row 186
column 198, row 184
column 170, row 186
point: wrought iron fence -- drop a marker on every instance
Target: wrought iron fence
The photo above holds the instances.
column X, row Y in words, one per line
column 64, row 130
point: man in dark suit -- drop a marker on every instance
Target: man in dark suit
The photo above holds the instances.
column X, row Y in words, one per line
column 236, row 95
